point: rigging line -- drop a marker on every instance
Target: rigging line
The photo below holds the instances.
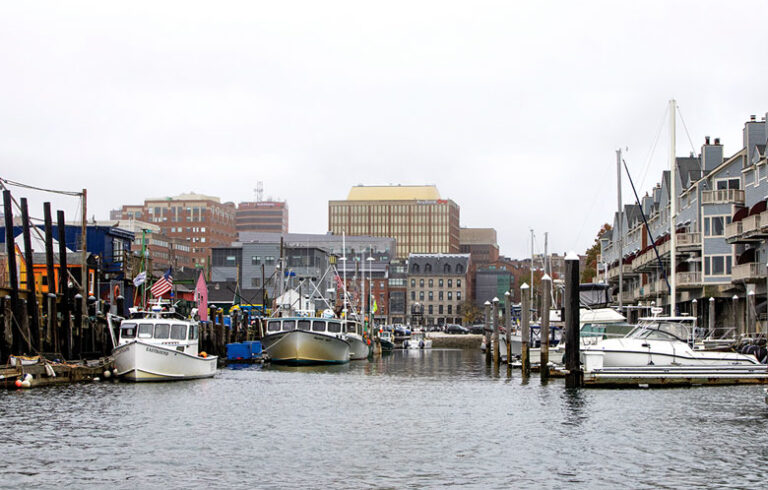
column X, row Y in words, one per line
column 53, row 191
column 647, row 228
column 653, row 148
column 698, row 160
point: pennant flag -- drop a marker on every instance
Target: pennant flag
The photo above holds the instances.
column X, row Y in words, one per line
column 201, row 297
column 163, row 285
column 140, row 279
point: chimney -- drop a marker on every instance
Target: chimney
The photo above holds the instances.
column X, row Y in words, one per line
column 711, row 155
column 752, row 117
column 706, row 140
column 717, row 141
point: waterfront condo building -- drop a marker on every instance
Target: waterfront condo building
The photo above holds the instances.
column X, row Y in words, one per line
column 722, row 236
column 262, row 216
column 203, row 222
column 414, row 215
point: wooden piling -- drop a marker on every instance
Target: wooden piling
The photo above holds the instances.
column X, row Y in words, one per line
column 12, row 268
column 508, row 325
column 495, row 326
column 487, row 332
column 736, row 323
column 546, row 295
column 52, row 324
column 65, row 329
column 525, row 329
column 575, row 377
column 6, row 339
column 32, row 312
column 751, row 317
column 77, row 328
column 711, row 318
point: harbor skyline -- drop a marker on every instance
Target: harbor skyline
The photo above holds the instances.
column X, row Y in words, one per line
column 501, row 107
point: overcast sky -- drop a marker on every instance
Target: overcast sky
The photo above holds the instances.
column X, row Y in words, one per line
column 513, row 109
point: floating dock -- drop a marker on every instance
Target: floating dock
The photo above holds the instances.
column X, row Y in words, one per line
column 649, row 376
column 49, row 373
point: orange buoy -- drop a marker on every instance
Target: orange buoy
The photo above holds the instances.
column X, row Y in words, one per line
column 18, row 383
column 203, row 354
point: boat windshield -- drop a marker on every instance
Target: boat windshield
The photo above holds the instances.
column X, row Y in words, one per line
column 663, row 330
column 334, row 327
column 178, row 332
column 273, row 326
column 289, row 325
column 192, row 332
column 318, row 326
column 162, row 330
column 128, row 331
column 145, row 330
column 304, row 324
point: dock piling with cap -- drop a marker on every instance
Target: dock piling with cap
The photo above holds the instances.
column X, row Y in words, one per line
column 575, row 376
column 525, row 329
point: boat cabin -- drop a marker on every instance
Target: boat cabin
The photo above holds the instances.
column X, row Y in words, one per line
column 317, row 325
column 168, row 332
column 665, row 328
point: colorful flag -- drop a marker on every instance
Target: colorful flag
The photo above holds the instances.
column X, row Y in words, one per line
column 140, row 279
column 162, row 285
column 201, row 297
column 339, row 282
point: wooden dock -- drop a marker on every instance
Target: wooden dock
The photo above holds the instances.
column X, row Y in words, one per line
column 49, row 373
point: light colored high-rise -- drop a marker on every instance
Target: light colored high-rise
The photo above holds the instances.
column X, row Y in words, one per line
column 414, row 215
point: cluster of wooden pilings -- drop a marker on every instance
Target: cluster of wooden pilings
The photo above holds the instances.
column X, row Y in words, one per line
column 61, row 323
column 571, row 334
column 215, row 334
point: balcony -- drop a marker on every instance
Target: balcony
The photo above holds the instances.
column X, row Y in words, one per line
column 688, row 279
column 627, row 297
column 734, row 231
column 688, row 240
column 723, row 196
column 750, row 272
column 751, row 224
column 613, row 272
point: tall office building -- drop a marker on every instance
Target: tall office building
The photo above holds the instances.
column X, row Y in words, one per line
column 416, row 216
column 262, row 216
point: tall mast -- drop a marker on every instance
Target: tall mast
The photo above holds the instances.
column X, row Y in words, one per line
column 532, row 288
column 344, row 254
column 620, row 230
column 673, row 212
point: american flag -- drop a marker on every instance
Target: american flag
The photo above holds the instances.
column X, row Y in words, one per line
column 162, row 285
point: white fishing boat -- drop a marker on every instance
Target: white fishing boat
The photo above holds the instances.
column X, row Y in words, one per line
column 418, row 340
column 358, row 345
column 303, row 340
column 659, row 341
column 160, row 346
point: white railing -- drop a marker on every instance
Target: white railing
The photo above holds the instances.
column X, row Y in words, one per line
column 752, row 270
column 751, row 223
column 733, row 230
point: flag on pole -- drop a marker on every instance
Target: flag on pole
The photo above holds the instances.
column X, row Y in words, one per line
column 339, row 282
column 140, row 279
column 162, row 285
column 375, row 306
column 201, row 297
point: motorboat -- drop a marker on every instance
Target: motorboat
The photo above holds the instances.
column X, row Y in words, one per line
column 159, row 346
column 418, row 340
column 358, row 343
column 660, row 341
column 594, row 324
column 306, row 340
column 386, row 340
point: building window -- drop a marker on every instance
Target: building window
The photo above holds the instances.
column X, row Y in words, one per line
column 415, row 268
column 255, row 282
column 717, row 265
column 413, row 283
column 428, row 268
column 728, row 184
column 450, row 283
column 450, row 296
column 270, row 260
column 715, row 225
column 440, row 295
column 421, row 283
column 431, row 309
column 431, row 283
column 440, row 283
column 255, row 260
column 450, row 307
column 447, row 268
column 458, row 283
column 421, row 295
column 431, row 296
column 458, row 295
column 440, row 309
column 413, row 295
column 459, row 269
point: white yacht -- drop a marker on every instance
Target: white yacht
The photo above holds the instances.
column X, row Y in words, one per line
column 660, row 341
column 160, row 346
column 306, row 340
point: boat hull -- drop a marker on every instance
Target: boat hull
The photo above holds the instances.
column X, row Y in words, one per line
column 358, row 348
column 630, row 352
column 140, row 361
column 301, row 347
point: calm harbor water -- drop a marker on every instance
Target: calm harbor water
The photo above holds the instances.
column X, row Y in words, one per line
column 412, row 419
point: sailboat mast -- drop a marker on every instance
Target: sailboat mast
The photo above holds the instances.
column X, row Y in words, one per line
column 673, row 212
column 620, row 229
column 344, row 254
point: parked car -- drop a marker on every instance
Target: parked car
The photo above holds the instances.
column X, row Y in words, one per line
column 456, row 329
column 478, row 328
column 435, row 328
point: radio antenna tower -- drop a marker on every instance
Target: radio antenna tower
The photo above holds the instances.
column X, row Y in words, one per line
column 259, row 191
